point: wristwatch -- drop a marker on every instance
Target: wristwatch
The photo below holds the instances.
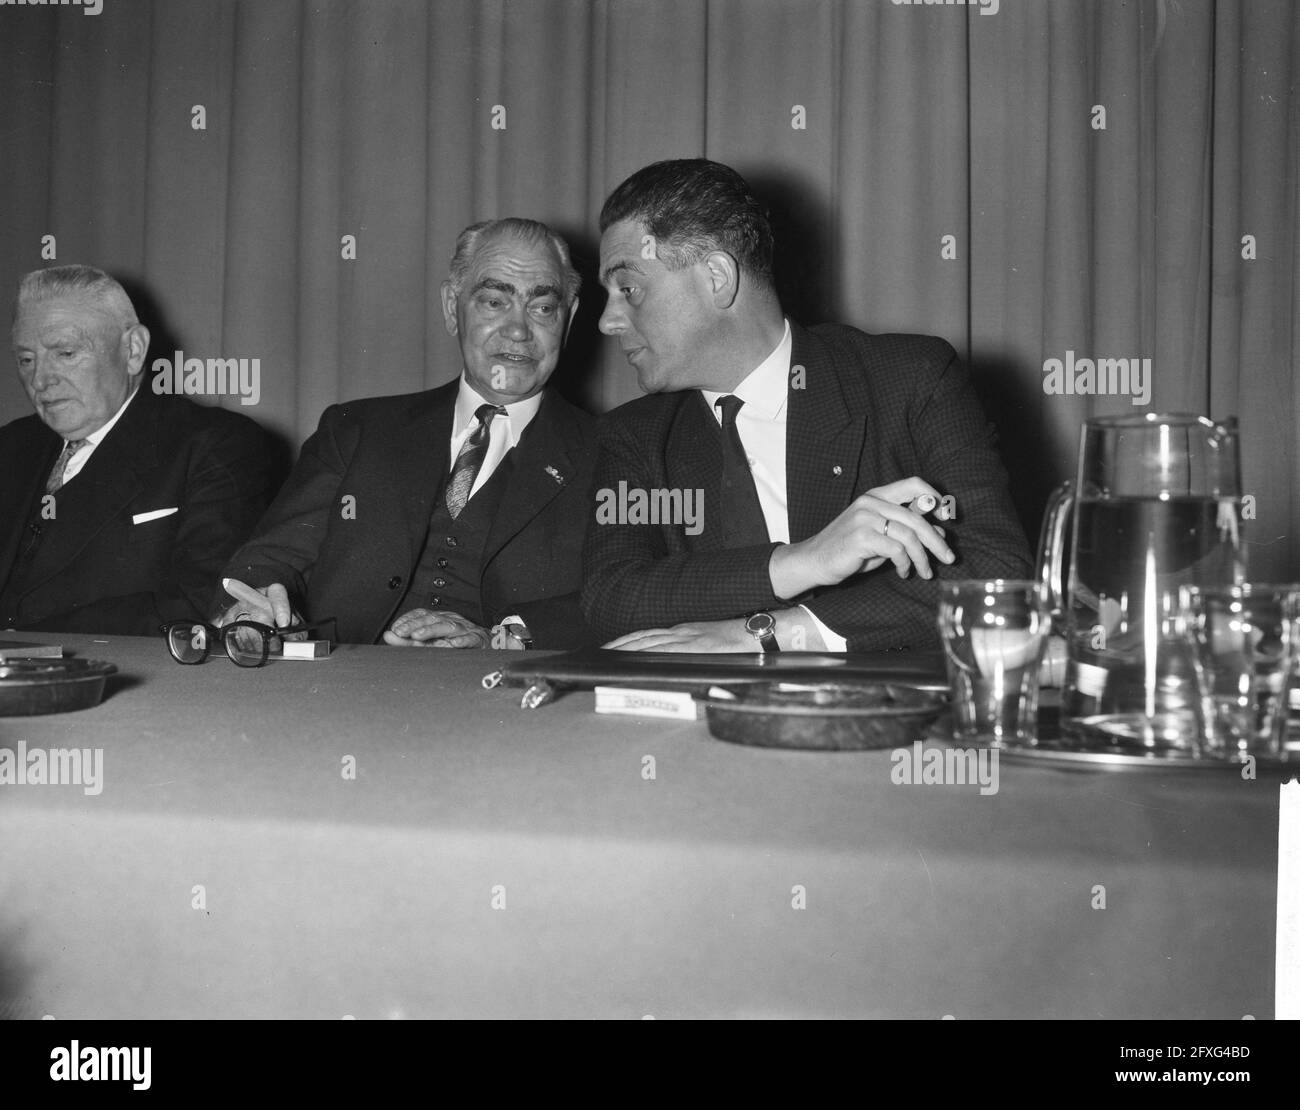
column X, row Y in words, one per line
column 762, row 626
column 514, row 627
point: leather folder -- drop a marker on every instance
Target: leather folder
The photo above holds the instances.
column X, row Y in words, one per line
column 660, row 670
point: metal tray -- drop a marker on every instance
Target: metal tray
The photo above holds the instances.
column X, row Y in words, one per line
column 1067, row 756
column 29, row 687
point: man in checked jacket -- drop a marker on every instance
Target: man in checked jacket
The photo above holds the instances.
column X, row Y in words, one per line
column 815, row 452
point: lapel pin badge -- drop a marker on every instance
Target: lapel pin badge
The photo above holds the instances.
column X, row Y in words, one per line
column 555, row 474
column 837, row 470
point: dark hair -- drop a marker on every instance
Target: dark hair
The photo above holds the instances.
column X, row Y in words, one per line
column 694, row 206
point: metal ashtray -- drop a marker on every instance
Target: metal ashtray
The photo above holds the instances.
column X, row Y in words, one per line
column 32, row 686
column 823, row 716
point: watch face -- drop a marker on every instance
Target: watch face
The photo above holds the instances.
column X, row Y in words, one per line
column 519, row 633
column 760, row 623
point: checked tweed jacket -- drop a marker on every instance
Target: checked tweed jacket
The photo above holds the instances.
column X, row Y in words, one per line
column 874, row 409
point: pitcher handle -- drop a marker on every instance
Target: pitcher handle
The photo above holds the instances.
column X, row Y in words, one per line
column 1051, row 551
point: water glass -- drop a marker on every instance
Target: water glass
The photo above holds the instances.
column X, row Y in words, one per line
column 994, row 633
column 1245, row 640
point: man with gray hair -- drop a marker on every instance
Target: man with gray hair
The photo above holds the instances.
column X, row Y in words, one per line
column 453, row 517
column 117, row 505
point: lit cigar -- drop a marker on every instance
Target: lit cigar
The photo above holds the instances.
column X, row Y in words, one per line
column 927, row 503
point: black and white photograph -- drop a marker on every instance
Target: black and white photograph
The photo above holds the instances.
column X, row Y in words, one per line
column 650, row 510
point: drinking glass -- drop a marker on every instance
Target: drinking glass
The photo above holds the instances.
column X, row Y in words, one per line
column 1244, row 639
column 993, row 634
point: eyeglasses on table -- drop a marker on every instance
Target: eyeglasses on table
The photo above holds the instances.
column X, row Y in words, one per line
column 247, row 643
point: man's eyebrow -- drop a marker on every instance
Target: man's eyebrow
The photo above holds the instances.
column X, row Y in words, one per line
column 544, row 289
column 493, row 283
column 614, row 267
column 66, row 337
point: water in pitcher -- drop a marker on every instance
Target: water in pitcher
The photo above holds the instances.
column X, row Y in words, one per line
column 1130, row 680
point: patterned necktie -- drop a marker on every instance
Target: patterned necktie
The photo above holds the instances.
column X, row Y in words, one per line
column 70, row 448
column 470, row 459
column 743, row 524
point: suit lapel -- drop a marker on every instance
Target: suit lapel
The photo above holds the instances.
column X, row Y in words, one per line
column 111, row 479
column 822, row 433
column 694, row 453
column 420, row 447
column 33, row 451
column 541, row 467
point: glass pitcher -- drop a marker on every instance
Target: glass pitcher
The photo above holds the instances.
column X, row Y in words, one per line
column 1156, row 505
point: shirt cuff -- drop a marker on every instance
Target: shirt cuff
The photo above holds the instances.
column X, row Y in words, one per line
column 834, row 641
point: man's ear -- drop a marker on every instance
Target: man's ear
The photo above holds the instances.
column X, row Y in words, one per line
column 573, row 314
column 136, row 341
column 724, row 278
column 449, row 307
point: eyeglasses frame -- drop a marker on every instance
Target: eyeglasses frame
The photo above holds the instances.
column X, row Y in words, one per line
column 222, row 633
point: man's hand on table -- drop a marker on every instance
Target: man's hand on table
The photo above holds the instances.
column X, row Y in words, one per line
column 795, row 631
column 436, row 628
column 876, row 528
column 269, row 606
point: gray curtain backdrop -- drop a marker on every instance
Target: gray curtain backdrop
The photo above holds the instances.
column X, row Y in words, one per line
column 872, row 128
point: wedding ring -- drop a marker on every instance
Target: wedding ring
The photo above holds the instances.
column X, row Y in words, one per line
column 885, row 531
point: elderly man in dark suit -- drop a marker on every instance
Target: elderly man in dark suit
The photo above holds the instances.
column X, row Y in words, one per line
column 808, row 455
column 453, row 517
column 117, row 505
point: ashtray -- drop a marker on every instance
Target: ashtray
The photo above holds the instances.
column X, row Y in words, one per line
column 29, row 687
column 821, row 716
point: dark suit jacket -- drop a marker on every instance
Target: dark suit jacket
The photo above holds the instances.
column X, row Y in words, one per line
column 96, row 571
column 874, row 409
column 391, row 455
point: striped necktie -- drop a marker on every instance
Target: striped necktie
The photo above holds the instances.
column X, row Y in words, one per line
column 470, row 459
column 70, row 448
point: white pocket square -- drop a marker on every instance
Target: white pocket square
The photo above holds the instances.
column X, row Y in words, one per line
column 141, row 518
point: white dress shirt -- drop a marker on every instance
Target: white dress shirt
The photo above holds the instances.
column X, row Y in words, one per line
column 78, row 460
column 761, row 424
column 503, row 432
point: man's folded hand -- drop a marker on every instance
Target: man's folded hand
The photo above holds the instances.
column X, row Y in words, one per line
column 436, row 628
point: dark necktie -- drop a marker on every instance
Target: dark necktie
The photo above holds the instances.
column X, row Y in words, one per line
column 743, row 524
column 470, row 459
column 55, row 480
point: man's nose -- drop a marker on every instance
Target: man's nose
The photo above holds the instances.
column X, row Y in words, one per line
column 611, row 321
column 43, row 373
column 517, row 325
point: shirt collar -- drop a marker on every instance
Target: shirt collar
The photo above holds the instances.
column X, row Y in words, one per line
column 765, row 388
column 518, row 413
column 97, row 436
